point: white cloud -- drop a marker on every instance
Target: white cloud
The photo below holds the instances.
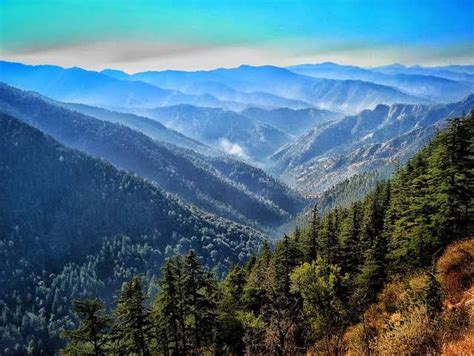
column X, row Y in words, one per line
column 135, row 56
column 231, row 148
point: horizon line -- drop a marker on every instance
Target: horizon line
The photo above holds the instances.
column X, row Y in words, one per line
column 90, row 69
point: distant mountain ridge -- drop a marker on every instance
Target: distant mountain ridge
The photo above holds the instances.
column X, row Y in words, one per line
column 431, row 83
column 294, row 122
column 77, row 85
column 245, row 86
column 337, row 95
column 150, row 127
column 229, row 131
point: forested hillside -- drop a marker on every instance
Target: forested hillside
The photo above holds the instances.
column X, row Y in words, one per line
column 174, row 170
column 58, row 243
column 230, row 131
column 362, row 279
column 149, row 127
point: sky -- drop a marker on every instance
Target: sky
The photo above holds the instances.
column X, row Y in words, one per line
column 136, row 35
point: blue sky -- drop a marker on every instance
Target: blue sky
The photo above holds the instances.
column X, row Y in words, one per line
column 142, row 34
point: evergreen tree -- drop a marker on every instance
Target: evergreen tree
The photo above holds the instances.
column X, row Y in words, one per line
column 232, row 288
column 200, row 292
column 311, row 245
column 134, row 328
column 328, row 239
column 321, row 285
column 170, row 339
column 255, row 297
column 92, row 333
column 350, row 252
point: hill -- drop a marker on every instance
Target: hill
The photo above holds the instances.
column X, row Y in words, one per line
column 174, row 170
column 366, row 279
column 293, row 122
column 228, row 131
column 75, row 226
column 149, row 127
column 77, row 85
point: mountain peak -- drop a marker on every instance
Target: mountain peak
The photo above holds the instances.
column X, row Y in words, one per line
column 115, row 73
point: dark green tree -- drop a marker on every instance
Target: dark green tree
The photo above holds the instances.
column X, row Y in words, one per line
column 200, row 293
column 170, row 339
column 350, row 251
column 311, row 248
column 91, row 336
column 133, row 329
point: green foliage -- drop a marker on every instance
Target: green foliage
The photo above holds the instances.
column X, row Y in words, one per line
column 132, row 330
column 322, row 286
column 186, row 306
column 93, row 331
column 302, row 291
column 75, row 227
column 432, row 196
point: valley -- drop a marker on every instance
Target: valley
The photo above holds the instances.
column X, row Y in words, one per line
column 108, row 175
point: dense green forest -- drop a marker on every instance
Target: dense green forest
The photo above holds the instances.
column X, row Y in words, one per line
column 328, row 288
column 58, row 243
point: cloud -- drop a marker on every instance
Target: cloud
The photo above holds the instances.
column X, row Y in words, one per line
column 231, row 148
column 135, row 56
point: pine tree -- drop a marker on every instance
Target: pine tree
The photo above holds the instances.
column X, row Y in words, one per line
column 297, row 235
column 166, row 311
column 133, row 329
column 350, row 252
column 328, row 239
column 200, row 292
column 92, row 333
column 311, row 245
column 460, row 138
column 282, row 310
column 254, row 297
column 233, row 287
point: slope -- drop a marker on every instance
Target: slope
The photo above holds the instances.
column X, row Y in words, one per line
column 74, row 225
column 293, row 122
column 424, row 84
column 149, row 127
column 337, row 95
column 226, row 130
column 171, row 169
column 371, row 140
column 88, row 87
column 365, row 279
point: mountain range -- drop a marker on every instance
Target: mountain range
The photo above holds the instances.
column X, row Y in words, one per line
column 376, row 139
column 336, row 95
column 183, row 172
column 111, row 89
column 433, row 84
column 106, row 175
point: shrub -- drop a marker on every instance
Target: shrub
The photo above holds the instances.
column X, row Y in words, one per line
column 410, row 333
column 456, row 269
column 354, row 340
